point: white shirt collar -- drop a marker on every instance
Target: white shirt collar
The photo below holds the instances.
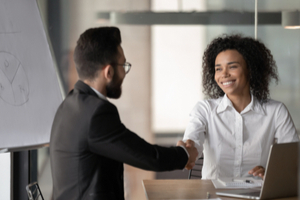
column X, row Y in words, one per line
column 254, row 105
column 101, row 96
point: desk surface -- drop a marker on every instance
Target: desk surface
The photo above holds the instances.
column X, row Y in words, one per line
column 183, row 189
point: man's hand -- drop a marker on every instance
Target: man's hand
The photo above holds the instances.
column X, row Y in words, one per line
column 190, row 147
column 258, row 171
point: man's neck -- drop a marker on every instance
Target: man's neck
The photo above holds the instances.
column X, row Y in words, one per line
column 97, row 85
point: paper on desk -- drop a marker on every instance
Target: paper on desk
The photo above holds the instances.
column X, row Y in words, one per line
column 220, row 184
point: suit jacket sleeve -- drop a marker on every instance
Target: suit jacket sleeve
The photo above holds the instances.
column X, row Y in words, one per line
column 110, row 138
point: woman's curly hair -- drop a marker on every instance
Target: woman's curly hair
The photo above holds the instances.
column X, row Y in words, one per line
column 260, row 64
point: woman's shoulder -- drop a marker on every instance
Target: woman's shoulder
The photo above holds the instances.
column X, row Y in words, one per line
column 274, row 106
column 208, row 104
column 271, row 103
column 213, row 102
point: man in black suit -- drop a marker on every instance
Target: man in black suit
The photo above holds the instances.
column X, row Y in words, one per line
column 89, row 143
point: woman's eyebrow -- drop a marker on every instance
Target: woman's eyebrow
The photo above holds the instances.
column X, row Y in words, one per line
column 230, row 63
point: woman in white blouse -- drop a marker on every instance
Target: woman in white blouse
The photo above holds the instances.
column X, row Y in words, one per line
column 236, row 127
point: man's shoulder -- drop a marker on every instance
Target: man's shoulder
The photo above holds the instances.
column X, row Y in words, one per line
column 78, row 104
column 88, row 99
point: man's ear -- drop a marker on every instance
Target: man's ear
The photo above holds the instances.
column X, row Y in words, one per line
column 108, row 72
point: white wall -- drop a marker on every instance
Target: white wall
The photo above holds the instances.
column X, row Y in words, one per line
column 176, row 67
column 176, row 75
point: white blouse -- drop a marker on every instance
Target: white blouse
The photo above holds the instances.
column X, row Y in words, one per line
column 233, row 143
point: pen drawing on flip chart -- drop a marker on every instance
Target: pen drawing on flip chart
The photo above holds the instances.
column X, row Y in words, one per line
column 7, row 26
column 28, row 79
column 14, row 87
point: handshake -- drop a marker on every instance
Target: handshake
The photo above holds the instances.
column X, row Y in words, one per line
column 191, row 149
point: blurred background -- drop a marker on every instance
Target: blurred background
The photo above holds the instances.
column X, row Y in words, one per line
column 164, row 83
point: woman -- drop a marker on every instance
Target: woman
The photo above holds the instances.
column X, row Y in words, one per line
column 236, row 127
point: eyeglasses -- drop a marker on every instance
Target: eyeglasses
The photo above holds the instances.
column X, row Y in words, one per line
column 126, row 66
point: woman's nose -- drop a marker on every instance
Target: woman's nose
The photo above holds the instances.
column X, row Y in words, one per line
column 225, row 73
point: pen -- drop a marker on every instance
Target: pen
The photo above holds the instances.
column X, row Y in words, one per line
column 244, row 181
column 207, row 195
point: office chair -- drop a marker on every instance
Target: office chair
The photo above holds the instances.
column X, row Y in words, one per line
column 34, row 192
column 196, row 172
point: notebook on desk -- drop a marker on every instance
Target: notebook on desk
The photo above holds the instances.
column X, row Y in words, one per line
column 236, row 183
column 281, row 175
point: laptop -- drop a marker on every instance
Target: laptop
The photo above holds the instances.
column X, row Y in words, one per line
column 281, row 175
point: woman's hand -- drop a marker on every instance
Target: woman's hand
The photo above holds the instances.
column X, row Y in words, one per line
column 192, row 151
column 258, row 171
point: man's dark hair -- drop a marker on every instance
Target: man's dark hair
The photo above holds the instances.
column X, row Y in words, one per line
column 95, row 48
column 259, row 60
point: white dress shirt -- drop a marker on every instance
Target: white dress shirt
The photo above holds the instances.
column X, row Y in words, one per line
column 101, row 96
column 233, row 143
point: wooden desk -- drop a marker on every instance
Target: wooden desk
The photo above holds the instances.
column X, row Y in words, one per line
column 183, row 189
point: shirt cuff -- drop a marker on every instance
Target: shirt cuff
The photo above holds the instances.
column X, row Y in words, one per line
column 185, row 150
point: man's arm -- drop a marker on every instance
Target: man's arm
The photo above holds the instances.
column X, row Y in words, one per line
column 110, row 138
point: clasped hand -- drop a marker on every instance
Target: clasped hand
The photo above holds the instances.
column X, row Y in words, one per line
column 258, row 171
column 190, row 147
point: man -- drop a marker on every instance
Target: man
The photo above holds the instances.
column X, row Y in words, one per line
column 89, row 144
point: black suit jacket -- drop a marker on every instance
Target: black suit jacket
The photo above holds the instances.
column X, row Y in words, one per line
column 89, row 145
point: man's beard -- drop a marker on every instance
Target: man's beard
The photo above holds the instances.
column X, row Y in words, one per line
column 114, row 89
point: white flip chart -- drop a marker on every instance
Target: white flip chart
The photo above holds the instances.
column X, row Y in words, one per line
column 29, row 87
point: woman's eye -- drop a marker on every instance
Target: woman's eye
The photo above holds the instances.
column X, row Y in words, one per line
column 231, row 67
column 218, row 69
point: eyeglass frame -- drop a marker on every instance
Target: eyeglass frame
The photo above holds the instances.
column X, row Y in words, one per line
column 126, row 66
